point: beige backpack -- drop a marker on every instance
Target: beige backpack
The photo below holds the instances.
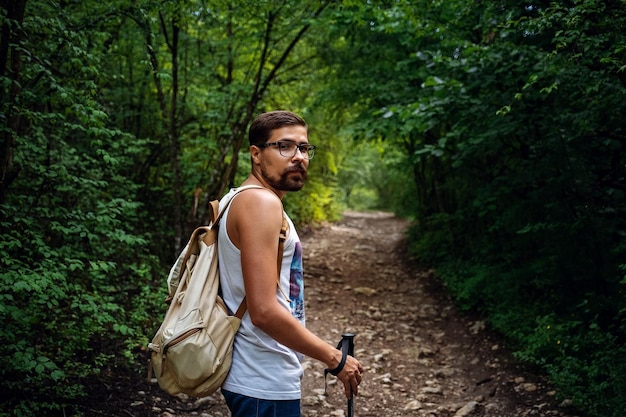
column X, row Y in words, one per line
column 191, row 352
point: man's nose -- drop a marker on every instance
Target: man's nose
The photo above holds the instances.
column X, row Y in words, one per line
column 299, row 154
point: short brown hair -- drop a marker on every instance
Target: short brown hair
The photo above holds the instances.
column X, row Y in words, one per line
column 262, row 127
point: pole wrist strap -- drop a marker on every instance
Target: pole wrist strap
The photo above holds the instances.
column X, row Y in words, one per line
column 344, row 354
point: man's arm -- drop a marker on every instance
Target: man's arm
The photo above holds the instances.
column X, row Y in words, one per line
column 254, row 222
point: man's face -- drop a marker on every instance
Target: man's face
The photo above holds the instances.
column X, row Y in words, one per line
column 285, row 173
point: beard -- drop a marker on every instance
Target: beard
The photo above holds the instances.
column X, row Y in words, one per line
column 291, row 179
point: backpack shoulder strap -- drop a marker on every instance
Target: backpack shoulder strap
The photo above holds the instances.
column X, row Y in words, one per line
column 214, row 209
column 282, row 237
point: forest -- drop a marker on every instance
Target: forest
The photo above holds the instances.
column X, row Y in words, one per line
column 498, row 128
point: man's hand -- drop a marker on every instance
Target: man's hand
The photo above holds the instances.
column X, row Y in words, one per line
column 351, row 375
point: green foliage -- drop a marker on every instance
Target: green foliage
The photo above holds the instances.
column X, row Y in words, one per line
column 497, row 127
column 374, row 176
column 112, row 115
column 513, row 120
column 66, row 277
column 581, row 356
column 71, row 257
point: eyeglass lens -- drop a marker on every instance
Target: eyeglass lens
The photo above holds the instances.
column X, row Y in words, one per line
column 289, row 149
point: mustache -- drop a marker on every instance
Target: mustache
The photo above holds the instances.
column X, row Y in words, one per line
column 296, row 168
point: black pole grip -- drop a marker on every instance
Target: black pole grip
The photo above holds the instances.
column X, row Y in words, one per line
column 347, row 343
column 347, row 339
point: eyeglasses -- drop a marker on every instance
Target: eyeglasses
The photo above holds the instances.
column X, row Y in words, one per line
column 289, row 149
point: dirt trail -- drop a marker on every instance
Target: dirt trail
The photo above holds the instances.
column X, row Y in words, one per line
column 422, row 358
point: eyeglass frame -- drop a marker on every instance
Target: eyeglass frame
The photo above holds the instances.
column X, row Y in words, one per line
column 305, row 153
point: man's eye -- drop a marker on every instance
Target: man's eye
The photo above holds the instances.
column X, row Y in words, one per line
column 284, row 146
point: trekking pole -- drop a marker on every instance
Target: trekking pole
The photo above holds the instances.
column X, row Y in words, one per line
column 347, row 343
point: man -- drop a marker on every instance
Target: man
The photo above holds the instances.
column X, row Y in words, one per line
column 265, row 376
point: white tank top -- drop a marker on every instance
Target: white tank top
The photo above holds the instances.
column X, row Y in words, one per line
column 262, row 367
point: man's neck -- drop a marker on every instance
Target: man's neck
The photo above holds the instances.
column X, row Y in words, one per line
column 255, row 180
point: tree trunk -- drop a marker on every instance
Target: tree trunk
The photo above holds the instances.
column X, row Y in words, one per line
column 179, row 222
column 169, row 117
column 10, row 67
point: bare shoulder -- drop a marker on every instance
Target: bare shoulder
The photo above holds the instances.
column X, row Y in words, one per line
column 258, row 201
column 256, row 210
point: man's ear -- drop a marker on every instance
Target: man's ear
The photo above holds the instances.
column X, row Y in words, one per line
column 255, row 154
